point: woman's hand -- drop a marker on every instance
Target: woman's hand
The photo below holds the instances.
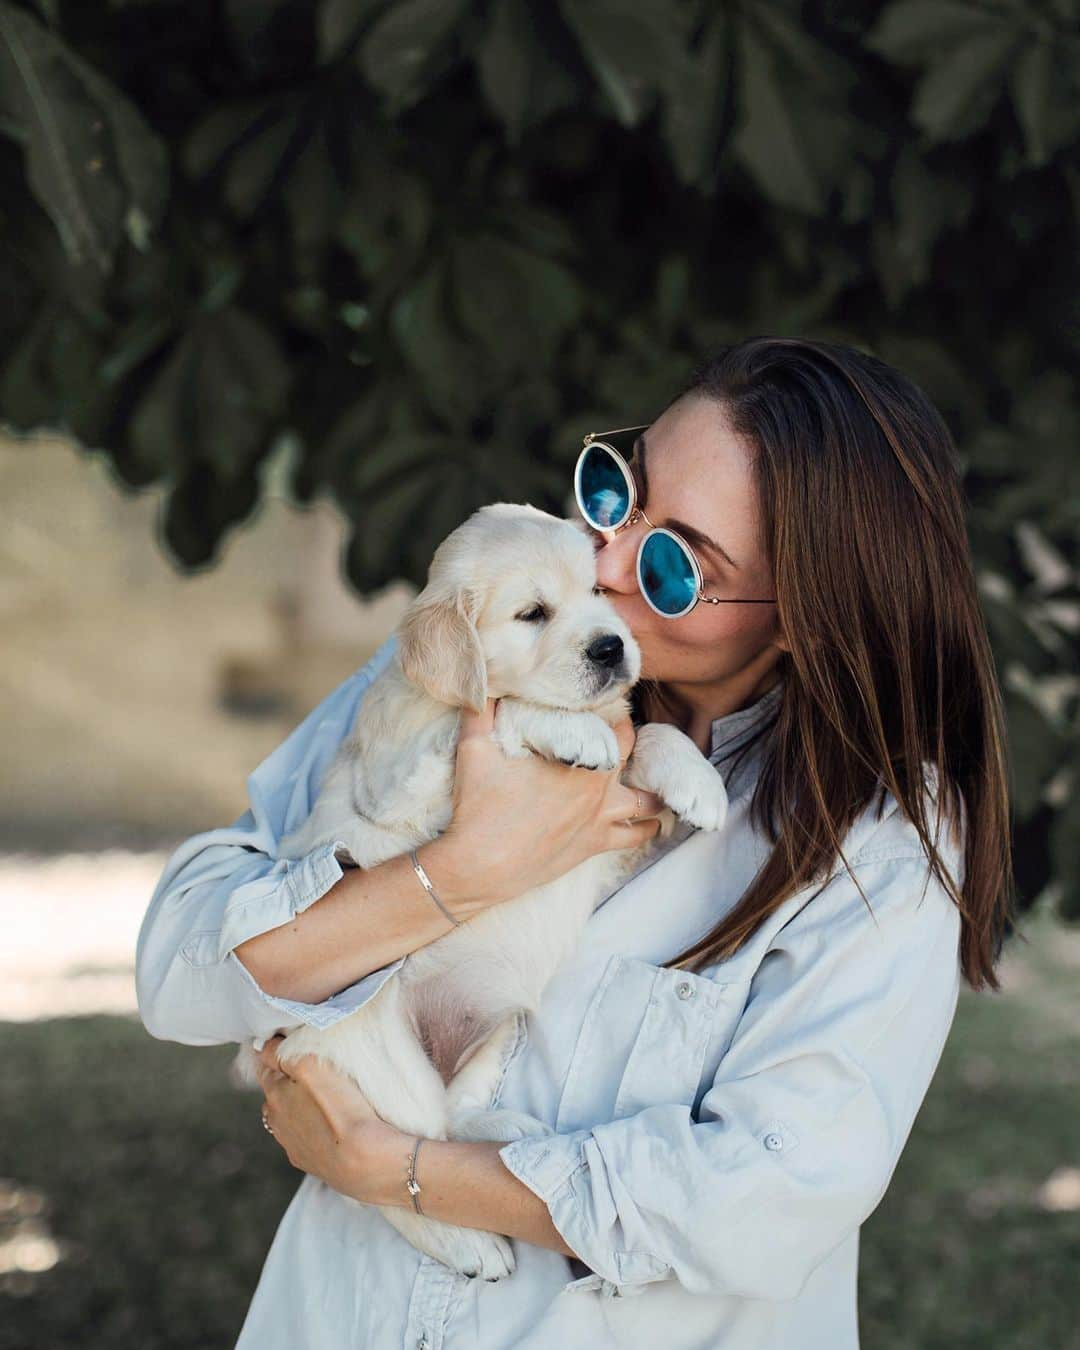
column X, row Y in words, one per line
column 518, row 823
column 327, row 1127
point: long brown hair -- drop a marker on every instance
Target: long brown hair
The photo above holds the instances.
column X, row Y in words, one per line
column 862, row 514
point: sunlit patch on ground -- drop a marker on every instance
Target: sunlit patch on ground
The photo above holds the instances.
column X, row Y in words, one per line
column 27, row 1247
column 1061, row 1190
column 70, row 925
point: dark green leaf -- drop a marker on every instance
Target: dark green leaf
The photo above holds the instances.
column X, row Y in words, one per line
column 213, row 399
column 515, row 303
column 523, row 66
column 92, row 162
column 629, row 46
column 695, row 93
column 917, row 32
column 796, row 145
column 957, row 96
column 1045, row 81
column 405, row 44
column 1034, row 752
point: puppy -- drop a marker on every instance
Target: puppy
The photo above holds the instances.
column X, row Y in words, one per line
column 511, row 610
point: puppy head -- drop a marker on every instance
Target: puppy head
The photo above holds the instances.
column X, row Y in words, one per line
column 511, row 607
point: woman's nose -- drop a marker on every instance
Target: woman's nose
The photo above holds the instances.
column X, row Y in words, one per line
column 616, row 561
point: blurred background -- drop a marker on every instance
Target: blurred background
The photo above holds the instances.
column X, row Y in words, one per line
column 293, row 286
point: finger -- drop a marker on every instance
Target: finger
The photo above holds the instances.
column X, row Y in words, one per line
column 265, row 1075
column 478, row 723
column 625, row 734
column 269, row 1052
column 627, row 803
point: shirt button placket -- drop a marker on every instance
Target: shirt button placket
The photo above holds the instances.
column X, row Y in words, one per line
column 425, row 1328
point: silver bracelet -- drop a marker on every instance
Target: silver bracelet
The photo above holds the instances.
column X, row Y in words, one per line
column 425, row 881
column 411, row 1183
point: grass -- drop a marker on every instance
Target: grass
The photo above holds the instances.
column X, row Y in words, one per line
column 157, row 1184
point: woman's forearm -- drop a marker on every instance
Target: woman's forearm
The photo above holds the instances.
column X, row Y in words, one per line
column 366, row 920
column 460, row 1182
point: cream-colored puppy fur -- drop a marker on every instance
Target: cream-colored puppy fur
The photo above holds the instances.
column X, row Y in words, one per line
column 510, row 611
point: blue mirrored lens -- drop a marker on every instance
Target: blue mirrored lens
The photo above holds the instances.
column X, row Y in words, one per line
column 605, row 497
column 666, row 574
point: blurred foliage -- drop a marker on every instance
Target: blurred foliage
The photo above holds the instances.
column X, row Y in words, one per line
column 162, row 1191
column 420, row 246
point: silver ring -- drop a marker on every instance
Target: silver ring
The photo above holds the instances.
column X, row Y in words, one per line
column 638, row 795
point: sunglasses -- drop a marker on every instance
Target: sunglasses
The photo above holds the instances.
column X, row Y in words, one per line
column 668, row 573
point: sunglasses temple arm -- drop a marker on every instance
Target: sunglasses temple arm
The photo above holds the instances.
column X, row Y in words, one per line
column 592, row 435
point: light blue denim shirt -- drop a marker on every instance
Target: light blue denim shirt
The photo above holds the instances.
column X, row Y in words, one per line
column 719, row 1136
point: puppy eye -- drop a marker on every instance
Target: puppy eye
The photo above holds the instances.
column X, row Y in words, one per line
column 533, row 615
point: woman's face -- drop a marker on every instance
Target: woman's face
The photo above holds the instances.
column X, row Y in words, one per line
column 697, row 472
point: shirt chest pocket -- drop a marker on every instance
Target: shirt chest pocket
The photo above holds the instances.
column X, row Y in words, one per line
column 649, row 1036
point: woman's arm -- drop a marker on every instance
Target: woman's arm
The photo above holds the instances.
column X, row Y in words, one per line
column 371, row 917
column 465, row 1183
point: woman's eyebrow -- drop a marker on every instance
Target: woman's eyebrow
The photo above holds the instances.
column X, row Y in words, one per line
column 689, row 532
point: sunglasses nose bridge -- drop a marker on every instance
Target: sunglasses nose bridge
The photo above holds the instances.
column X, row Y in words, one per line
column 617, row 568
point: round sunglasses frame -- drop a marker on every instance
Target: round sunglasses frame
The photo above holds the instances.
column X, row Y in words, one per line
column 629, row 517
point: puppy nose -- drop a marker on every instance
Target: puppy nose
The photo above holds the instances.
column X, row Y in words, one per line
column 606, row 650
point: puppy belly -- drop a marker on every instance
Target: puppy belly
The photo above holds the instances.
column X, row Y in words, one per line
column 448, row 1034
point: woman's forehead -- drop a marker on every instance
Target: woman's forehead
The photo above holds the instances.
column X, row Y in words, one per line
column 700, row 471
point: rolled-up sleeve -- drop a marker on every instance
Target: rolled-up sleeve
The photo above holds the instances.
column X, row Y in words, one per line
column 226, row 885
column 797, row 1137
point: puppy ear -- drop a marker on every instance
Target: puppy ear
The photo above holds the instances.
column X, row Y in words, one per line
column 439, row 649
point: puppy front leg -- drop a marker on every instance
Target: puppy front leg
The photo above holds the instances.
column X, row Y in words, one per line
column 668, row 763
column 579, row 738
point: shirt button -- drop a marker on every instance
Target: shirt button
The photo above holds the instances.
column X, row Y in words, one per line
column 684, row 990
column 423, row 1344
column 773, row 1141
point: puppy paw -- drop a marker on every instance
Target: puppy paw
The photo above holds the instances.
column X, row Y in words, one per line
column 703, row 805
column 668, row 763
column 469, row 1251
column 488, row 1255
column 581, row 739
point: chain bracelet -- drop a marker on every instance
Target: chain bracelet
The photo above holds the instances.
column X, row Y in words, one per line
column 425, row 881
column 411, row 1183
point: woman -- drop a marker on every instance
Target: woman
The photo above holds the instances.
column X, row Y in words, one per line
column 730, row 1066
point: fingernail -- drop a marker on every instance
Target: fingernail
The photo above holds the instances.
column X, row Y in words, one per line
column 258, row 1043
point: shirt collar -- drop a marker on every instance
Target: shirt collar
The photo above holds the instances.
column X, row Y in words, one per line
column 729, row 731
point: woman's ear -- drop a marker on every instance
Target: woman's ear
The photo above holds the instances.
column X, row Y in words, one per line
column 439, row 648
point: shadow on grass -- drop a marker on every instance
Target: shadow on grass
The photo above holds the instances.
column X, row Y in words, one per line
column 162, row 1191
